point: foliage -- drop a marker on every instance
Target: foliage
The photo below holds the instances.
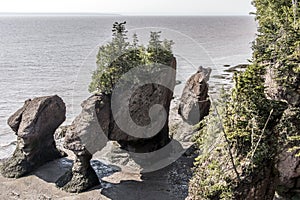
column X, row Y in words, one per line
column 211, row 179
column 250, row 117
column 278, row 42
column 256, row 128
column 159, row 50
column 119, row 56
column 279, row 38
column 289, row 127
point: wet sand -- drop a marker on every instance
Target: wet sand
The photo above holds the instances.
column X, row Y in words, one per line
column 116, row 183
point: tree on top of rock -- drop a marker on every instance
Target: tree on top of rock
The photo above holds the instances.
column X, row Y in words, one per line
column 119, row 56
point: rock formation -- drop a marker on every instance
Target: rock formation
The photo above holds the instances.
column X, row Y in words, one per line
column 281, row 92
column 84, row 137
column 266, row 167
column 96, row 124
column 194, row 103
column 287, row 163
column 34, row 125
column 140, row 103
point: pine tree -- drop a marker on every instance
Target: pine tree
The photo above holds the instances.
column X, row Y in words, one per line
column 119, row 56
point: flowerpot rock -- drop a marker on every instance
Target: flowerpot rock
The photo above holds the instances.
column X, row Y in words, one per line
column 34, row 124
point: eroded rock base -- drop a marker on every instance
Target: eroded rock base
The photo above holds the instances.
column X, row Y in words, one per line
column 18, row 165
column 80, row 178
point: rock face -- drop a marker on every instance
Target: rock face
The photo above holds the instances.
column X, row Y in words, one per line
column 34, row 124
column 194, row 103
column 139, row 104
column 275, row 91
column 289, row 174
column 261, row 185
column 287, row 163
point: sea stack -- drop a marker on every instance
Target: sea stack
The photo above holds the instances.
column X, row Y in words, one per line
column 34, row 124
column 194, row 102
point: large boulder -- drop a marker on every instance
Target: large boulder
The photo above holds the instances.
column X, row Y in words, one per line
column 194, row 102
column 34, row 125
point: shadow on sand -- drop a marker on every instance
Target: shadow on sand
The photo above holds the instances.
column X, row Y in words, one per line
column 51, row 171
column 168, row 183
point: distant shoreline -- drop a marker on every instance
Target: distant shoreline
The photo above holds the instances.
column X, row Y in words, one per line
column 112, row 15
column 58, row 14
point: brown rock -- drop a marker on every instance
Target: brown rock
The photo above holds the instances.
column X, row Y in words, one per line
column 289, row 173
column 140, row 103
column 84, row 137
column 194, row 103
column 261, row 185
column 96, row 123
column 35, row 124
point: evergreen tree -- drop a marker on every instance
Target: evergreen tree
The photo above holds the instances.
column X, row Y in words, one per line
column 256, row 128
column 119, row 56
column 159, row 51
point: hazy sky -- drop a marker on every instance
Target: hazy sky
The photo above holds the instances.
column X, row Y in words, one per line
column 132, row 7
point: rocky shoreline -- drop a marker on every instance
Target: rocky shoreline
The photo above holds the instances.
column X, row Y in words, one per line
column 81, row 174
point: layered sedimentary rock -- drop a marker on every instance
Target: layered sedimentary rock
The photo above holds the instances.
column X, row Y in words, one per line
column 194, row 103
column 34, row 125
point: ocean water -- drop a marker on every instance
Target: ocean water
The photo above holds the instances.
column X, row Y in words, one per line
column 47, row 55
